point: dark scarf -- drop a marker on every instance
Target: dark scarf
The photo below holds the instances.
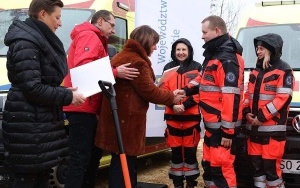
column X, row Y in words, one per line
column 53, row 41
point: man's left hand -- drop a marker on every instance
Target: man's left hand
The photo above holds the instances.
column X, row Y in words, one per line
column 123, row 71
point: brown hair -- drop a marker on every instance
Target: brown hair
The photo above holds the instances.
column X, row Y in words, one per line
column 101, row 14
column 48, row 5
column 216, row 21
column 146, row 36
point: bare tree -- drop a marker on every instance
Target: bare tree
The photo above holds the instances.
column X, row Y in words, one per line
column 229, row 10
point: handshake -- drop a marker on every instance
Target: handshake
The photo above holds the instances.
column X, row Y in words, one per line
column 179, row 94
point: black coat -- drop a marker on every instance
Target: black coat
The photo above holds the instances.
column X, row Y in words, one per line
column 33, row 129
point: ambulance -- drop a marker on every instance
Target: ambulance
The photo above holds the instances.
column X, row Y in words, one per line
column 73, row 13
column 280, row 17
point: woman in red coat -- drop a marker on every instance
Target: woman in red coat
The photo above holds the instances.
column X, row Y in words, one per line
column 133, row 97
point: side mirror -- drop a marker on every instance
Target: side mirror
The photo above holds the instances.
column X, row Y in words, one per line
column 112, row 51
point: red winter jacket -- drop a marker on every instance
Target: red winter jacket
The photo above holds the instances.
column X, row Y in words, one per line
column 88, row 44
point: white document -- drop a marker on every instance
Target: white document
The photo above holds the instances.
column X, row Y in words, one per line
column 167, row 75
column 86, row 76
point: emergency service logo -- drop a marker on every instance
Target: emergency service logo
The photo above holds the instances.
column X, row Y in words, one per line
column 288, row 80
column 230, row 77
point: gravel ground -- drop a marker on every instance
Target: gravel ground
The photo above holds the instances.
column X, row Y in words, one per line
column 152, row 169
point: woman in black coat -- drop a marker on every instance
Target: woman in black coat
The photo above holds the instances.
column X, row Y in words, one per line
column 33, row 129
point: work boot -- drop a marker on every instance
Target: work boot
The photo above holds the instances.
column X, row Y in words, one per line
column 209, row 184
column 191, row 184
column 178, row 185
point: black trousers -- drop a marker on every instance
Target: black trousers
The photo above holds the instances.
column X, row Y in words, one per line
column 116, row 179
column 84, row 156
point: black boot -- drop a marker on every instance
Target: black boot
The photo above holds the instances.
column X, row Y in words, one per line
column 191, row 184
column 178, row 184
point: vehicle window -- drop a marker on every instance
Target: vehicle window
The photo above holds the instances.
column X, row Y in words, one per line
column 70, row 18
column 119, row 38
column 290, row 34
column 6, row 18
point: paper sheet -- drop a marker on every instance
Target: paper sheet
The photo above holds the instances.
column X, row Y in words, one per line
column 86, row 76
column 168, row 74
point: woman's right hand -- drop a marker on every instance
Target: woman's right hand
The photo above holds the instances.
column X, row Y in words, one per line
column 78, row 98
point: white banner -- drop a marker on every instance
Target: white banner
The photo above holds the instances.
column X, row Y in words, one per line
column 172, row 19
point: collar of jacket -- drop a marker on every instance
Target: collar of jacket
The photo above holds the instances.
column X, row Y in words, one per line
column 52, row 43
column 133, row 45
column 216, row 42
column 212, row 46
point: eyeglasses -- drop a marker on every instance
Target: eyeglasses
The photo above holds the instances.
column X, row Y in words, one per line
column 111, row 24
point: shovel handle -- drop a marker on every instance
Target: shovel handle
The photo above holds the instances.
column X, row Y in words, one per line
column 125, row 170
column 110, row 92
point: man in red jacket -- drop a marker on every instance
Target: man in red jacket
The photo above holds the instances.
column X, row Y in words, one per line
column 89, row 43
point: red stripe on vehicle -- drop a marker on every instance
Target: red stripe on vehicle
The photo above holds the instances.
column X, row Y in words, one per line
column 252, row 22
column 86, row 4
column 296, row 86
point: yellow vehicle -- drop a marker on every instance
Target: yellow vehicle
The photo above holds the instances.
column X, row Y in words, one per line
column 280, row 17
column 74, row 12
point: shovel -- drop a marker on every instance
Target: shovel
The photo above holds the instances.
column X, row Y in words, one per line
column 111, row 95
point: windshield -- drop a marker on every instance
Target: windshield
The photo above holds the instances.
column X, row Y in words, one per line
column 70, row 18
column 290, row 34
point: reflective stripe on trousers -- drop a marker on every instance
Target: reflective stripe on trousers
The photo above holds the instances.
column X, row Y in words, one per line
column 260, row 181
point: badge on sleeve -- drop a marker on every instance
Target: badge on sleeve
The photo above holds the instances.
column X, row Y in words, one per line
column 230, row 77
column 288, row 80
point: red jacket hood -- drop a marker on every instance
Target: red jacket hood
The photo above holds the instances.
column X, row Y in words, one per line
column 86, row 26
